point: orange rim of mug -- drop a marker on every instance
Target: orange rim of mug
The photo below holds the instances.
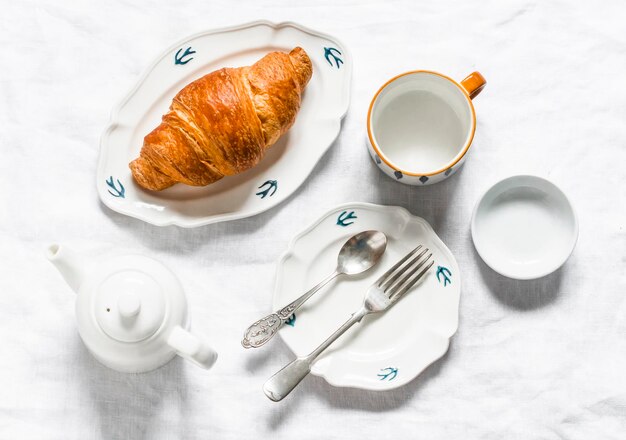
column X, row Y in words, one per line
column 457, row 158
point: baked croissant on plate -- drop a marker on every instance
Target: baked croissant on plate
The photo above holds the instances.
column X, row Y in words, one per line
column 222, row 123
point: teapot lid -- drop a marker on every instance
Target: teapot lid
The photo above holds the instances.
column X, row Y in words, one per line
column 130, row 305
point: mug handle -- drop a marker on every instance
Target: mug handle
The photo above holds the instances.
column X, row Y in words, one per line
column 474, row 83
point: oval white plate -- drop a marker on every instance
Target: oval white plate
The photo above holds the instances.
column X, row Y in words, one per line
column 386, row 350
column 524, row 227
column 286, row 165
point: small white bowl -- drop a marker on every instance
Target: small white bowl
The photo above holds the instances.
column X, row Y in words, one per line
column 524, row 227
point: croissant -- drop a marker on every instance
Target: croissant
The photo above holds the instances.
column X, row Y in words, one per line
column 222, row 123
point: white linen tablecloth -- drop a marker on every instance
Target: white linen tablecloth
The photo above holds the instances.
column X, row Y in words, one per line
column 539, row 359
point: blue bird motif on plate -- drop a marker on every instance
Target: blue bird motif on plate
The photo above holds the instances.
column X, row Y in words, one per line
column 118, row 190
column 388, row 373
column 443, row 273
column 344, row 217
column 267, row 187
column 291, row 321
column 185, row 57
column 331, row 52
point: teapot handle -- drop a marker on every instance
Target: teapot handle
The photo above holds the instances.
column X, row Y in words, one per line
column 192, row 347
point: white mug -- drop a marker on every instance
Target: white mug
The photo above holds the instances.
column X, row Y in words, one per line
column 421, row 124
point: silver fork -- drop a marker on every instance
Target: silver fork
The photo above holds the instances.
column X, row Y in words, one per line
column 381, row 295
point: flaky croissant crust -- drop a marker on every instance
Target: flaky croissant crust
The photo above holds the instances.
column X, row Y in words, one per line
column 222, row 123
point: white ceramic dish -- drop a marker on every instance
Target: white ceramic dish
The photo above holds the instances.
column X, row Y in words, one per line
column 383, row 351
column 524, row 227
column 286, row 165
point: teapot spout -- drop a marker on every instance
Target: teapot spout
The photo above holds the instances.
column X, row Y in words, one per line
column 72, row 266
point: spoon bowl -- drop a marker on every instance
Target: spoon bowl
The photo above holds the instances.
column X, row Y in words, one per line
column 361, row 252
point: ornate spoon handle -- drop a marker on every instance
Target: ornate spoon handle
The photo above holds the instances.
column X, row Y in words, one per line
column 265, row 328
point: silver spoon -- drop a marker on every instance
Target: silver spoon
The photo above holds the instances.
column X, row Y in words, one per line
column 358, row 254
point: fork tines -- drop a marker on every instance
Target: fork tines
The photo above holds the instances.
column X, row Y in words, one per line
column 404, row 274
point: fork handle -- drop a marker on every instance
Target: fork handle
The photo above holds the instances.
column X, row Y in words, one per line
column 284, row 381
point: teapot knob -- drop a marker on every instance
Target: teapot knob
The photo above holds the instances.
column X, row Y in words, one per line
column 128, row 305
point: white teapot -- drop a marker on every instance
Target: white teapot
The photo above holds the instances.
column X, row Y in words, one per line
column 131, row 311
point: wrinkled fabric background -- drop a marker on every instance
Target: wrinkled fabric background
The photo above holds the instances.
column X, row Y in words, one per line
column 539, row 359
